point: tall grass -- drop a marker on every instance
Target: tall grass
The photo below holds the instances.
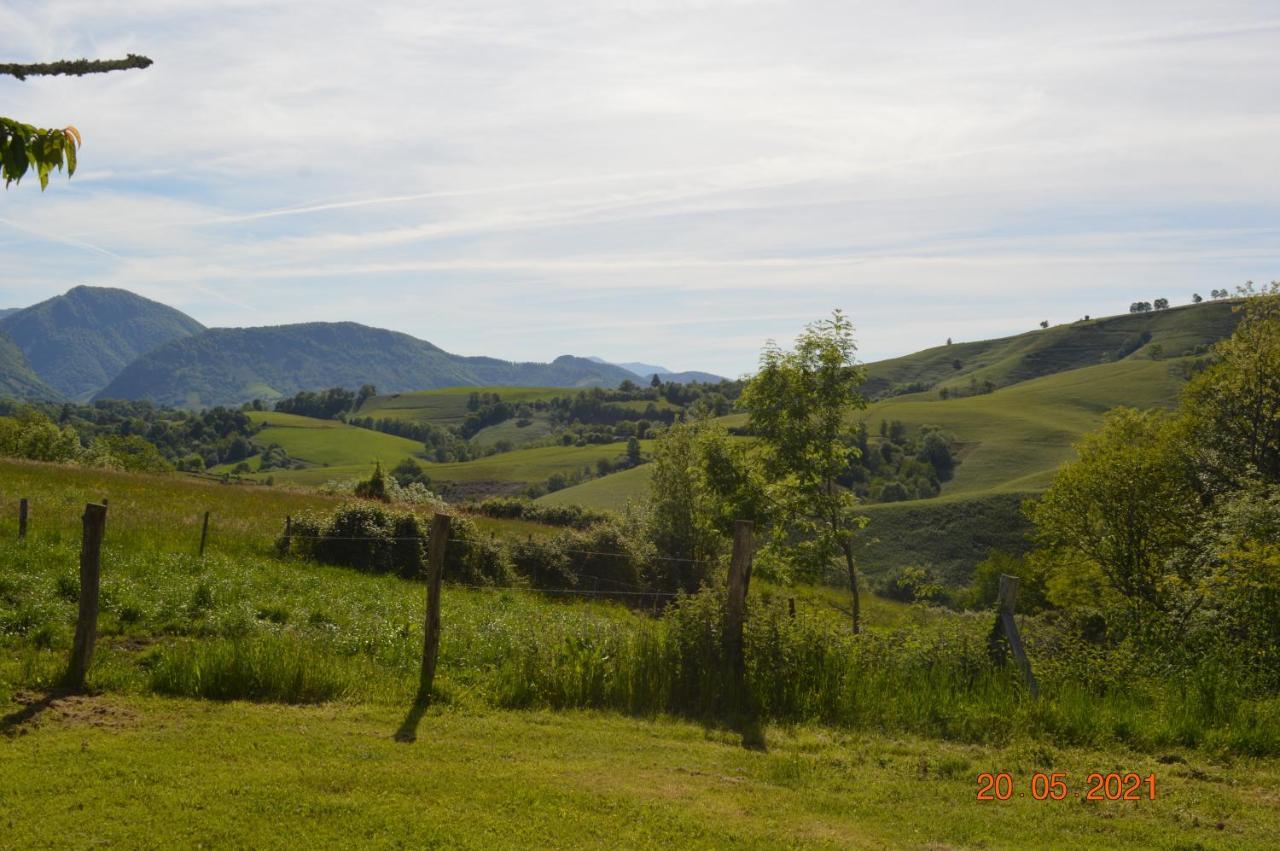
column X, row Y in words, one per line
column 264, row 667
column 243, row 624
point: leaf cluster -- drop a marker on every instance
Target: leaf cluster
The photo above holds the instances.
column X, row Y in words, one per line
column 24, row 148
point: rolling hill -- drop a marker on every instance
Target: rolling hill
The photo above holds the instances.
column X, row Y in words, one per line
column 1052, row 386
column 1008, row 360
column 227, row 366
column 335, row 451
column 77, row 342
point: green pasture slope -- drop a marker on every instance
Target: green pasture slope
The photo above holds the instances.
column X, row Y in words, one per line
column 336, row 451
column 330, row 442
column 1009, row 360
column 332, row 755
column 1010, row 443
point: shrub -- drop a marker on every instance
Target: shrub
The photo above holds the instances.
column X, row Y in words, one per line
column 374, row 539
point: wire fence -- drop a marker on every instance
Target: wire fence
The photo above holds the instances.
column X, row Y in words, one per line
column 58, row 515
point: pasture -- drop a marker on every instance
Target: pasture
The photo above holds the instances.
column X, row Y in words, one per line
column 560, row 722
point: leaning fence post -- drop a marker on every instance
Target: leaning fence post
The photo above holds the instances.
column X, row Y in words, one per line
column 735, row 613
column 95, row 522
column 437, row 540
column 204, row 533
column 1007, row 595
column 22, row 518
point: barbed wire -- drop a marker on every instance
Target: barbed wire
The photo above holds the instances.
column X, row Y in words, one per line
column 425, row 539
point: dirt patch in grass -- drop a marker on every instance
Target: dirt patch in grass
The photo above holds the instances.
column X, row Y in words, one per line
column 36, row 710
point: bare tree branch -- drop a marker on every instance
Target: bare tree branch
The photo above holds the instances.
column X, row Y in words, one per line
column 73, row 67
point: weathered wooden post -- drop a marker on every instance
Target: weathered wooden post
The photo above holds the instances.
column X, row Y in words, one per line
column 735, row 613
column 204, row 533
column 1008, row 593
column 22, row 518
column 438, row 539
column 791, row 607
column 95, row 523
column 288, row 533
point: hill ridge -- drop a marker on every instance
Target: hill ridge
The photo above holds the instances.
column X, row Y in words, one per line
column 79, row 341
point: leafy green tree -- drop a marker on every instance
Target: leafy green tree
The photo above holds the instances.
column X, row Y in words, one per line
column 1161, row 304
column 682, row 509
column 1129, row 504
column 409, row 471
column 801, row 405
column 935, row 450
column 1234, row 405
column 633, row 451
column 23, row 147
column 375, row 487
column 983, row 588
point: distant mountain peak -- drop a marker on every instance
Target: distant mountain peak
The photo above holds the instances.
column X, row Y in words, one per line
column 79, row 341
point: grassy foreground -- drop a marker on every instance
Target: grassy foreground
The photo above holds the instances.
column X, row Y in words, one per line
column 116, row 771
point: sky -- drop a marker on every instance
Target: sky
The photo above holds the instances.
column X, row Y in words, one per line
column 659, row 181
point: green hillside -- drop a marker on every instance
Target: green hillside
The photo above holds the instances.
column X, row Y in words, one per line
column 228, row 366
column 1010, row 443
column 1008, row 360
column 16, row 376
column 329, row 442
column 1014, row 438
column 335, row 451
column 79, row 341
column 609, row 493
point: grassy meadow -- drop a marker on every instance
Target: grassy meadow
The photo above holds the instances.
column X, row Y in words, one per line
column 483, row 779
column 336, row 451
column 242, row 685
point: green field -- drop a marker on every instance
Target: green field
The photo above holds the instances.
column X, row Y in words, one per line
column 609, row 493
column 330, row 442
column 336, row 451
column 539, row 428
column 112, row 770
column 343, row 647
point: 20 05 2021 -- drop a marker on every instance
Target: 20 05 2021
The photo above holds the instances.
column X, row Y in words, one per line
column 1056, row 786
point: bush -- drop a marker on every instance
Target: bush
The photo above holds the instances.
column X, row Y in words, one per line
column 374, row 539
column 506, row 508
column 913, row 585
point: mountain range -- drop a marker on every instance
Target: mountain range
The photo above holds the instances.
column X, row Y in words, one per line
column 647, row 371
column 102, row 343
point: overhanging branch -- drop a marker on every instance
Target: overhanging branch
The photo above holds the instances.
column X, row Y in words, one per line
column 73, row 67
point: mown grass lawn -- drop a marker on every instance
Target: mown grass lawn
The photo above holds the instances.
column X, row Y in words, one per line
column 154, row 772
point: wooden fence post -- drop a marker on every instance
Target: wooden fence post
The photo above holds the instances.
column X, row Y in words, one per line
column 437, row 540
column 735, row 614
column 1007, row 595
column 22, row 518
column 204, row 533
column 288, row 532
column 95, row 523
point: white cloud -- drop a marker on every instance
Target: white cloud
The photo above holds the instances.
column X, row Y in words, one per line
column 610, row 172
